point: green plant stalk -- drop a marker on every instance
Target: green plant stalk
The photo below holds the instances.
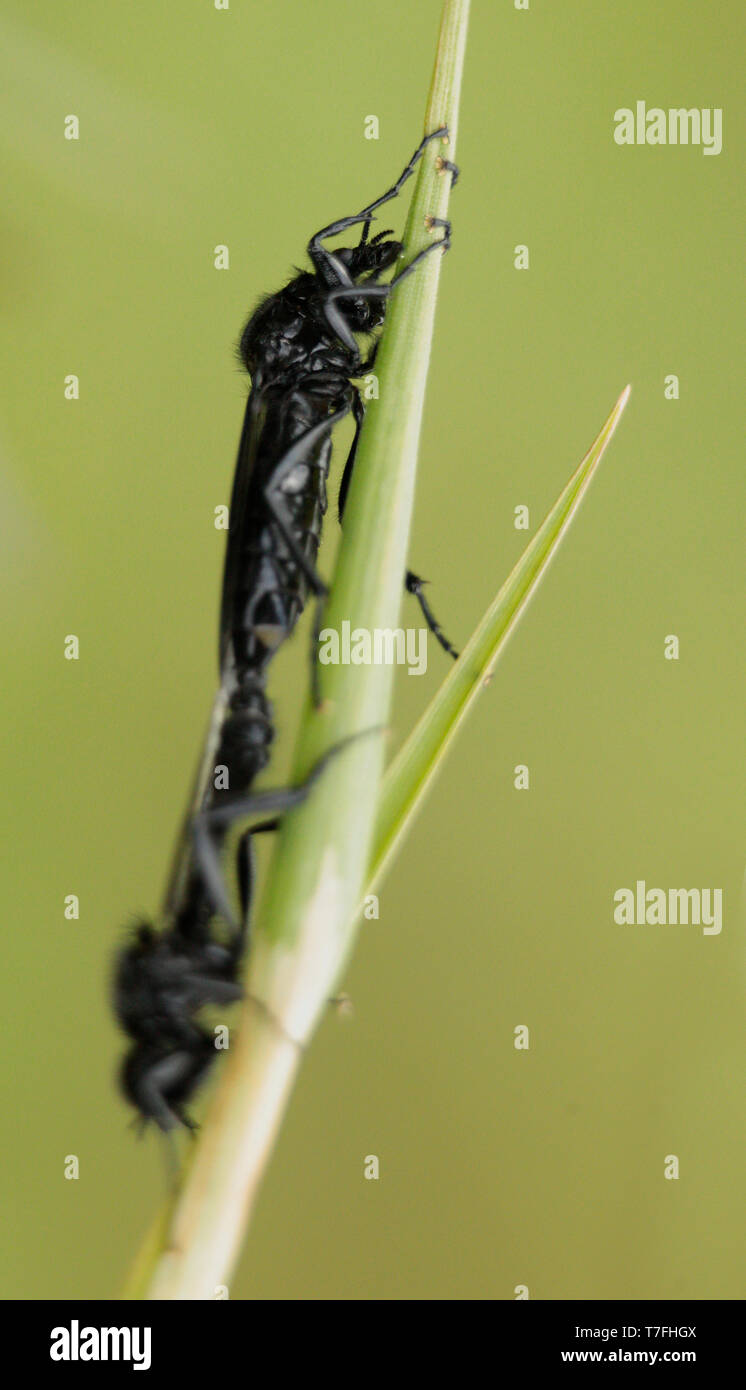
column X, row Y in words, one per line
column 407, row 779
column 305, row 924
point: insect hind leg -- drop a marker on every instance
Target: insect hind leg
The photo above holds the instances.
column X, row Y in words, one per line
column 274, row 497
column 264, row 808
column 414, row 585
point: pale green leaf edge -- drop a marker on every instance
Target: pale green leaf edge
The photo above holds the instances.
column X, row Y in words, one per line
column 415, row 766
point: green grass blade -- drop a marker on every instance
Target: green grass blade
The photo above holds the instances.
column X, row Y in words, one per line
column 306, row 920
column 409, row 776
column 411, row 772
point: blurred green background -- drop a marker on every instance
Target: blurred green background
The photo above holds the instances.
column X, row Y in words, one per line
column 245, row 127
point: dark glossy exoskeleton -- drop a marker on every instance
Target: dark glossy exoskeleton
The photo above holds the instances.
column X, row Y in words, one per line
column 300, row 347
column 162, row 981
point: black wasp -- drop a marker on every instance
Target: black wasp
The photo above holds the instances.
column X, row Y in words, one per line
column 300, row 348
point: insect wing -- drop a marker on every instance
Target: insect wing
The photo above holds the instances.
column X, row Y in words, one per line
column 256, row 410
column 201, row 793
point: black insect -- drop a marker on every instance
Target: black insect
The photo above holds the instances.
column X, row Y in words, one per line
column 300, row 348
column 164, row 979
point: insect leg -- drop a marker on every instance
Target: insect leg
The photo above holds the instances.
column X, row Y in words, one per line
column 275, row 502
column 370, row 361
column 324, row 260
column 442, row 164
column 148, row 1082
column 246, row 874
column 414, row 585
column 358, row 410
column 333, row 315
column 445, row 242
column 261, row 805
column 212, row 991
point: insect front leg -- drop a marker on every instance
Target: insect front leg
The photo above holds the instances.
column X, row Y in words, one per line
column 333, row 314
column 246, row 874
column 358, row 410
column 447, row 166
column 210, row 826
column 328, row 266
